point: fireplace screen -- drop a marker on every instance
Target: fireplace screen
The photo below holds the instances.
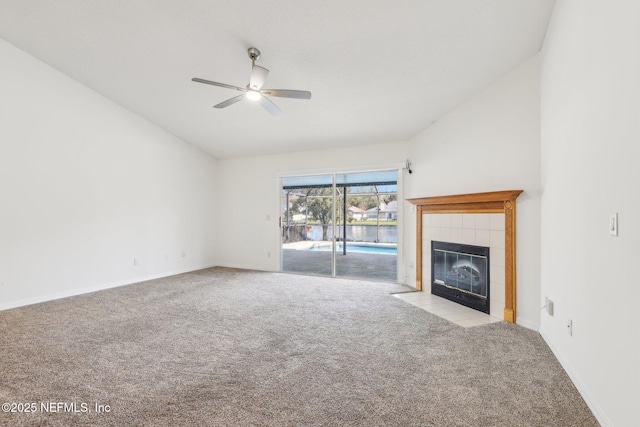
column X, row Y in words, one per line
column 461, row 273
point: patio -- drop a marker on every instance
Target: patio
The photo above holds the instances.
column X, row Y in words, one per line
column 352, row 265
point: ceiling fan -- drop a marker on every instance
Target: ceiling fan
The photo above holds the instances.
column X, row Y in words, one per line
column 254, row 90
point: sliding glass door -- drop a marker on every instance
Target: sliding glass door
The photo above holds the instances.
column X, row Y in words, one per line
column 341, row 225
column 307, row 218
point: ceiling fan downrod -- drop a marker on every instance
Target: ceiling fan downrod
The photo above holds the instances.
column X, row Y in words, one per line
column 254, row 54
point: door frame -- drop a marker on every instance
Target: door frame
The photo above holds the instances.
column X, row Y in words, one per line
column 400, row 167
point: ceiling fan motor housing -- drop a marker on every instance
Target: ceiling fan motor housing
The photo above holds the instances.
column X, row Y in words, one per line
column 254, row 53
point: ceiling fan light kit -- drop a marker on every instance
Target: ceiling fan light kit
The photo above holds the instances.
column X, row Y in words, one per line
column 253, row 95
column 254, row 90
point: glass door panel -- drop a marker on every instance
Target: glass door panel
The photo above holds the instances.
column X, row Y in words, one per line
column 367, row 219
column 307, row 206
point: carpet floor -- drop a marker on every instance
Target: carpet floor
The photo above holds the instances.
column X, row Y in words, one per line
column 226, row 347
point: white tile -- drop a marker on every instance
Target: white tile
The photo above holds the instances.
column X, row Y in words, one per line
column 435, row 220
column 469, row 236
column 426, row 261
column 469, row 221
column 497, row 299
column 453, row 312
column 418, row 302
column 497, row 291
column 496, row 308
column 497, row 239
column 456, row 235
column 435, row 233
column 483, row 238
column 423, row 297
column 441, row 303
column 497, row 221
column 408, row 295
column 426, row 234
column 456, row 220
column 497, row 257
column 476, row 321
column 426, row 266
column 497, row 276
column 467, row 315
column 483, row 222
column 426, row 220
column 425, row 305
column 449, row 309
column 445, row 220
column 445, row 234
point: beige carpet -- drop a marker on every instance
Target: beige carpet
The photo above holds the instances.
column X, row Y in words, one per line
column 223, row 347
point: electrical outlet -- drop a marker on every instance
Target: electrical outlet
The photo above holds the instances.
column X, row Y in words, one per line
column 570, row 327
column 136, row 261
column 183, row 254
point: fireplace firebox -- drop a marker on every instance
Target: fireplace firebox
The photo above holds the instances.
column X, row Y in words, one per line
column 460, row 273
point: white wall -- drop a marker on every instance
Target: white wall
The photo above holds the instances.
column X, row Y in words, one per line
column 249, row 188
column 490, row 143
column 590, row 90
column 87, row 186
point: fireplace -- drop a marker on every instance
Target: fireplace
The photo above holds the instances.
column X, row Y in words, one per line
column 497, row 202
column 460, row 273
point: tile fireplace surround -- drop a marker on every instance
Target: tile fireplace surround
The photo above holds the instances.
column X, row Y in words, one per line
column 460, row 219
column 483, row 230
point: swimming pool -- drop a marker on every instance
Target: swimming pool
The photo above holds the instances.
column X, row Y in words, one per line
column 370, row 248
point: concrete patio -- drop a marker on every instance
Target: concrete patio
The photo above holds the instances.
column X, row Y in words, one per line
column 352, row 265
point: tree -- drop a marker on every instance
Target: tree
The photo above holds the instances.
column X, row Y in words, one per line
column 320, row 208
column 298, row 205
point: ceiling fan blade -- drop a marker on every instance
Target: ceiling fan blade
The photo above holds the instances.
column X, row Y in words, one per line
column 229, row 101
column 286, row 93
column 258, row 77
column 209, row 82
column 270, row 106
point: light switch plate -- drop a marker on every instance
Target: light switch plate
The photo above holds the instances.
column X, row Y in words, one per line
column 613, row 224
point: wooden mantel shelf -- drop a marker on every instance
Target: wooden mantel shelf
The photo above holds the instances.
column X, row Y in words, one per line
column 494, row 200
column 491, row 202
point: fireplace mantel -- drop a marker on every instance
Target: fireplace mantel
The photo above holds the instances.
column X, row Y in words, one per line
column 492, row 202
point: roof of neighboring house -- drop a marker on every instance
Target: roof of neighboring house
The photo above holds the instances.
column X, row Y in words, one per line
column 389, row 207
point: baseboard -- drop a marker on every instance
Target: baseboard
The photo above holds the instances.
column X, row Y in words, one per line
column 246, row 267
column 580, row 385
column 101, row 287
column 527, row 324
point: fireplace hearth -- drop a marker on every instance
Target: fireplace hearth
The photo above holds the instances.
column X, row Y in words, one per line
column 460, row 273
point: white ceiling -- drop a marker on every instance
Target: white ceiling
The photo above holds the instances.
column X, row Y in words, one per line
column 379, row 71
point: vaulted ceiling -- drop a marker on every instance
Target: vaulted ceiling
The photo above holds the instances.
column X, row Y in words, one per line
column 379, row 71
